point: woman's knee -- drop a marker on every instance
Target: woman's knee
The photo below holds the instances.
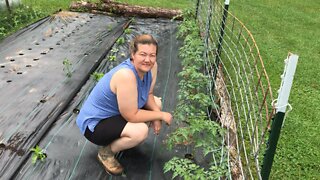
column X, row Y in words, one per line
column 136, row 131
column 144, row 129
column 158, row 102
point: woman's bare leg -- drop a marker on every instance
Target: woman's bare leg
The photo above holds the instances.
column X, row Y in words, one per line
column 132, row 134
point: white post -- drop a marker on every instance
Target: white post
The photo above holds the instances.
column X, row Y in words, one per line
column 286, row 84
column 284, row 91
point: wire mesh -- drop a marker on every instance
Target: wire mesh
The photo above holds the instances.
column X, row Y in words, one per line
column 239, row 85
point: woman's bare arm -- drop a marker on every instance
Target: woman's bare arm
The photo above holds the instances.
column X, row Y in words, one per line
column 126, row 91
column 151, row 103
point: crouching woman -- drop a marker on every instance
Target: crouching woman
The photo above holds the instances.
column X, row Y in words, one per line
column 115, row 113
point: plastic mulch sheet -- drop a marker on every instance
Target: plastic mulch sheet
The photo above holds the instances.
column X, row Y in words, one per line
column 39, row 102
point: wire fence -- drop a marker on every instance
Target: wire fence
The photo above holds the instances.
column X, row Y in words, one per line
column 239, row 85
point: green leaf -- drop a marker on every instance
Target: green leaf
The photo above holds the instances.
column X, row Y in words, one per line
column 34, row 158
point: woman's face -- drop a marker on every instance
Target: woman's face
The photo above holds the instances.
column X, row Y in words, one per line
column 144, row 58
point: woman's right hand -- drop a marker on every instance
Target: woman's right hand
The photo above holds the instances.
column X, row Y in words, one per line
column 166, row 117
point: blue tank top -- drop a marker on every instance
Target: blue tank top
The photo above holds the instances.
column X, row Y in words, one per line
column 102, row 102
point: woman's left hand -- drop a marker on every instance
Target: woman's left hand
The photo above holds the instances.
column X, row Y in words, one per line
column 156, row 125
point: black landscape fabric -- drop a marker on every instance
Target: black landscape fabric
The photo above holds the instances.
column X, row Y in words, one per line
column 39, row 102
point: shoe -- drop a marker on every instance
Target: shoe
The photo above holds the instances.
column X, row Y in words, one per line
column 110, row 163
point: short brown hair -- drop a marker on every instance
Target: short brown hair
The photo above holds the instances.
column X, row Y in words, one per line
column 142, row 39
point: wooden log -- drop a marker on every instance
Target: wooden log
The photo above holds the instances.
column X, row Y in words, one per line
column 126, row 10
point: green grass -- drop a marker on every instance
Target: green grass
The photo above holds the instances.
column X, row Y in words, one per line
column 280, row 27
column 47, row 6
column 28, row 12
column 50, row 6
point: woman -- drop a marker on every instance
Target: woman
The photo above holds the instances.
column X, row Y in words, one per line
column 114, row 115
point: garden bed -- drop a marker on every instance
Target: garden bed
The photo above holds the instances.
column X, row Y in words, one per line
column 46, row 71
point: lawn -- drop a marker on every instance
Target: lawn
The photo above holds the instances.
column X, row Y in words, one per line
column 280, row 27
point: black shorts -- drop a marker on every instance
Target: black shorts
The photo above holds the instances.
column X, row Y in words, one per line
column 106, row 131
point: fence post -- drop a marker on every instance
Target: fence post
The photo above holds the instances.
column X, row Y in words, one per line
column 223, row 24
column 197, row 9
column 8, row 6
column 284, row 92
column 207, row 32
